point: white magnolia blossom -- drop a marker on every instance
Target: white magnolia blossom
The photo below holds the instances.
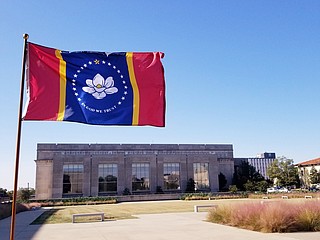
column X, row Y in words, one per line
column 100, row 87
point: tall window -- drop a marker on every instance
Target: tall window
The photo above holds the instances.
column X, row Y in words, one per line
column 108, row 176
column 140, row 176
column 171, row 176
column 72, row 178
column 201, row 175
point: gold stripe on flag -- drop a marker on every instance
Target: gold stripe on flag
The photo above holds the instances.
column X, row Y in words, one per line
column 63, row 83
column 136, row 96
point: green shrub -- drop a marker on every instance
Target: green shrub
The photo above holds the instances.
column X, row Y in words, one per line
column 213, row 196
column 126, row 191
column 233, row 188
column 76, row 201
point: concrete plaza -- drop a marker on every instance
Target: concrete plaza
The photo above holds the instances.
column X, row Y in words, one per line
column 166, row 226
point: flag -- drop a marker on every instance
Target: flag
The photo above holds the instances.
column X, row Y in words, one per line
column 100, row 88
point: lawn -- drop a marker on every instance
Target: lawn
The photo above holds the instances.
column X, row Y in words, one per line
column 125, row 210
column 128, row 210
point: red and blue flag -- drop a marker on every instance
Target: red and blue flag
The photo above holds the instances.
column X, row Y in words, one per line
column 100, row 88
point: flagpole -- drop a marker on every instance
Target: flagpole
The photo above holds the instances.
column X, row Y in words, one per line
column 14, row 199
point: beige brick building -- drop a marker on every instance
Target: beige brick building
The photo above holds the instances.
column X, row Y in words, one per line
column 66, row 170
column 305, row 169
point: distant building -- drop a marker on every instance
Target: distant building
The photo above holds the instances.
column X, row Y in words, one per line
column 305, row 168
column 261, row 162
column 267, row 155
column 70, row 170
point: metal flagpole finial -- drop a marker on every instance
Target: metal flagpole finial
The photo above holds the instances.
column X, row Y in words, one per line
column 26, row 36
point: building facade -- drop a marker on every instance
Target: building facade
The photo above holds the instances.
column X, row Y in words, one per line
column 66, row 170
column 304, row 169
column 261, row 162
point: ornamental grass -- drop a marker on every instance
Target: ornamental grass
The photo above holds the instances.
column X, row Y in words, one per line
column 269, row 217
column 309, row 216
column 278, row 217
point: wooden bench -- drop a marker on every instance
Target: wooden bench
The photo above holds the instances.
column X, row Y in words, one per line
column 307, row 197
column 196, row 207
column 101, row 214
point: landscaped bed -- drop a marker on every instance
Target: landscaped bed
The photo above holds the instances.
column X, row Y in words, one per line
column 5, row 208
column 269, row 216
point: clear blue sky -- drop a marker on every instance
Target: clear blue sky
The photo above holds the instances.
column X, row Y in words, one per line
column 239, row 72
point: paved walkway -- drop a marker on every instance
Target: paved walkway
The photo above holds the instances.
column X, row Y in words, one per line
column 167, row 226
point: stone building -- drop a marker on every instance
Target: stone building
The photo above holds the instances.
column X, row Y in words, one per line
column 67, row 170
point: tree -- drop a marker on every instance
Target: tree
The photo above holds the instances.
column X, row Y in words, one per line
column 24, row 194
column 283, row 172
column 246, row 177
column 222, row 181
column 3, row 192
column 263, row 185
column 314, row 176
column 190, row 186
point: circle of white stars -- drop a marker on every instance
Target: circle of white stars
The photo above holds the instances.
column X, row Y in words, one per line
column 97, row 62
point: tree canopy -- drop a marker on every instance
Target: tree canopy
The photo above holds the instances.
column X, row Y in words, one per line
column 314, row 176
column 246, row 178
column 222, row 181
column 284, row 172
